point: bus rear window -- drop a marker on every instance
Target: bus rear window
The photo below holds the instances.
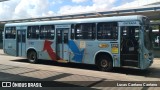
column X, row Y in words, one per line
column 10, row 32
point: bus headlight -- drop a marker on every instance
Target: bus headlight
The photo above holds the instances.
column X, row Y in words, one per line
column 145, row 56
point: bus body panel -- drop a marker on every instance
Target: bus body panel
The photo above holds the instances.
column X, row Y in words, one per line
column 38, row 46
column 10, row 47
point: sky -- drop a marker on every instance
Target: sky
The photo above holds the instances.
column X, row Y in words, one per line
column 21, row 9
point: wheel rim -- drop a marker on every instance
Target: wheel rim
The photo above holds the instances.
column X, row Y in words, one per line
column 104, row 63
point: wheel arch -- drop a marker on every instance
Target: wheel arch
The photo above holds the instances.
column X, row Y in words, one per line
column 31, row 49
column 102, row 52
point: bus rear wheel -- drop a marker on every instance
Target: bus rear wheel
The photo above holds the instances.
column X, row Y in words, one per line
column 32, row 57
column 104, row 63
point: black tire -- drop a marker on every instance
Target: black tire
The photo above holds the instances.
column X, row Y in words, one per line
column 32, row 57
column 104, row 63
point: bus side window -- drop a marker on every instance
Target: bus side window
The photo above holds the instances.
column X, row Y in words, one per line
column 33, row 32
column 107, row 31
column 85, row 31
column 78, row 32
column 10, row 32
column 47, row 32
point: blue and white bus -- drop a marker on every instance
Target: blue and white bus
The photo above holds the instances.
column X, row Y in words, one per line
column 107, row 42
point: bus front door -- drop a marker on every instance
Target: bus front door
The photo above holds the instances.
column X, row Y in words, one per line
column 62, row 44
column 21, row 42
column 130, row 46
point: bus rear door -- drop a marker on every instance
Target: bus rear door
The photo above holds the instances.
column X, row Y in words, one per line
column 62, row 32
column 21, row 42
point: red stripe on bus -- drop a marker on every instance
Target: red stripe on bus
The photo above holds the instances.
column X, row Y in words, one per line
column 48, row 48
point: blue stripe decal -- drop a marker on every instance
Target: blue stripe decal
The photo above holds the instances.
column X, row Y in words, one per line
column 78, row 55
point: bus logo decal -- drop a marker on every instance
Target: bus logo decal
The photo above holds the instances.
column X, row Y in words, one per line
column 78, row 55
column 48, row 48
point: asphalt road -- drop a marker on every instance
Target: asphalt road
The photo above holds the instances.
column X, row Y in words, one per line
column 73, row 76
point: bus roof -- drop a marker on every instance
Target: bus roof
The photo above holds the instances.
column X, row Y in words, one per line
column 83, row 20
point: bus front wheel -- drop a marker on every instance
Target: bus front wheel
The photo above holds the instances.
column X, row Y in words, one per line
column 32, row 57
column 104, row 63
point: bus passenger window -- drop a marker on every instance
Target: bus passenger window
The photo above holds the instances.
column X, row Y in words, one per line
column 33, row 32
column 107, row 31
column 10, row 32
column 85, row 31
column 47, row 32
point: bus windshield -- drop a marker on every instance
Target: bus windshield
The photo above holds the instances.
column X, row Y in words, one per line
column 147, row 34
column 147, row 38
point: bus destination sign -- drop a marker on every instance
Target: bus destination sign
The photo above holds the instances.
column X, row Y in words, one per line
column 129, row 23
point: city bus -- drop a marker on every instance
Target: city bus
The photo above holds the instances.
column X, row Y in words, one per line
column 107, row 42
